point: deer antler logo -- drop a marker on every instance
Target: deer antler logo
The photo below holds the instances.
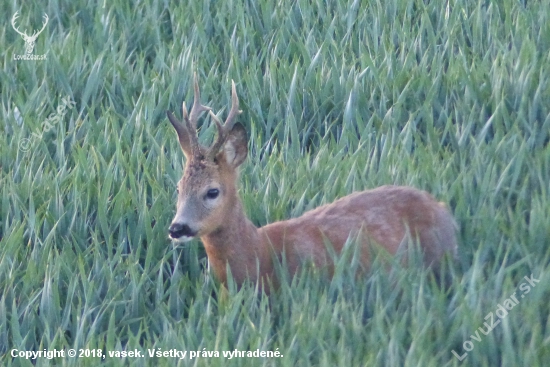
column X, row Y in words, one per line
column 29, row 40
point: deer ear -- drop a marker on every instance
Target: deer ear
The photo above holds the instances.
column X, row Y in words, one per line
column 236, row 146
column 183, row 134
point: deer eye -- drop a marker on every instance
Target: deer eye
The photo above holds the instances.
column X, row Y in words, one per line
column 212, row 193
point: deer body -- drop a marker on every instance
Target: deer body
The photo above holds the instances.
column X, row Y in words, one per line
column 209, row 207
column 380, row 216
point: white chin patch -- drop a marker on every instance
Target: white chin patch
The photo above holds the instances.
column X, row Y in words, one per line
column 181, row 239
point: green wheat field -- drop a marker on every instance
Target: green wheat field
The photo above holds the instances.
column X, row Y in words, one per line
column 452, row 97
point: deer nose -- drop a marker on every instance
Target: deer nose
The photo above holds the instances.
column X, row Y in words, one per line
column 178, row 230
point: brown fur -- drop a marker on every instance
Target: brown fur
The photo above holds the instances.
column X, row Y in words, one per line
column 386, row 216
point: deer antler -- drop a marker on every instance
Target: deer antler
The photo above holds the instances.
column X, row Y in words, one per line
column 198, row 108
column 223, row 130
column 15, row 16
column 190, row 121
column 35, row 34
column 24, row 34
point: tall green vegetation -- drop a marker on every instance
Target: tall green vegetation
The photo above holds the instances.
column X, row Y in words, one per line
column 447, row 96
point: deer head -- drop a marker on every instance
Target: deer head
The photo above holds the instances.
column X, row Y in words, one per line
column 29, row 40
column 207, row 190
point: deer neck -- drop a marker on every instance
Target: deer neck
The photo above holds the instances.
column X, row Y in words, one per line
column 237, row 244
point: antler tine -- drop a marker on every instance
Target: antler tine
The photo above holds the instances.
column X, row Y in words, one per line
column 190, row 119
column 198, row 108
column 186, row 132
column 43, row 25
column 13, row 19
column 223, row 130
column 185, row 135
column 232, row 117
column 220, row 140
column 178, row 126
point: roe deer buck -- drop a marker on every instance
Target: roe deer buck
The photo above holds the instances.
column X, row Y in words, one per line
column 209, row 207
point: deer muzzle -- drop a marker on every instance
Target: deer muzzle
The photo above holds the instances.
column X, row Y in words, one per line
column 181, row 232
